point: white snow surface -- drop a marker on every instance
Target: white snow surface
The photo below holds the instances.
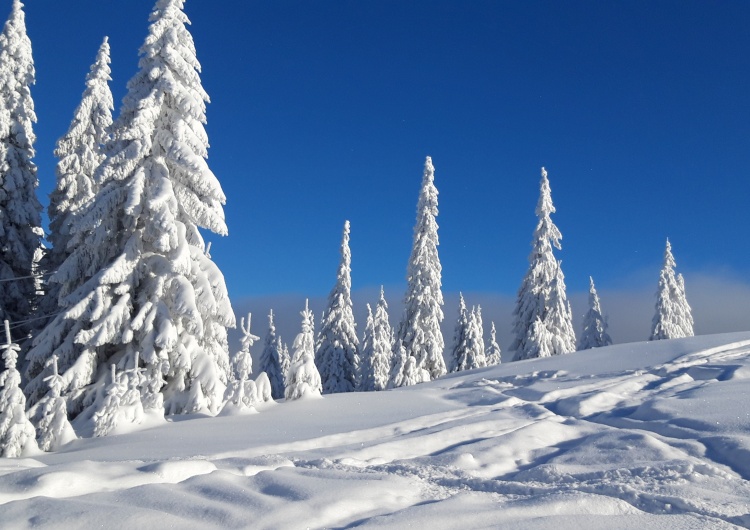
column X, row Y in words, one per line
column 643, row 435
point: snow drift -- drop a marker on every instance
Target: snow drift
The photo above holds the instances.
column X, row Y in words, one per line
column 639, row 435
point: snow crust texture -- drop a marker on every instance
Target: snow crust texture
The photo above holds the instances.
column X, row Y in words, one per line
column 646, row 435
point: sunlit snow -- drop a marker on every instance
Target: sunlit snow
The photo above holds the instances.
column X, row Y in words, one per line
column 639, row 435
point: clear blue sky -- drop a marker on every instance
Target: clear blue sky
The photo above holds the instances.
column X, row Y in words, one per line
column 324, row 111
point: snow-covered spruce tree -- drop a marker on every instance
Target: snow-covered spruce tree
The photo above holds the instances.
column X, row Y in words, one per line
column 17, row 434
column 542, row 293
column 143, row 281
column 106, row 415
column 122, row 400
column 594, row 324
column 337, row 348
column 53, row 429
column 366, row 379
column 243, row 361
column 419, row 330
column 382, row 344
column 20, row 210
column 475, row 340
column 270, row 360
column 459, row 351
column 492, row 351
column 468, row 352
column 79, row 153
column 673, row 318
column 304, row 379
column 376, row 362
column 240, row 393
column 285, row 359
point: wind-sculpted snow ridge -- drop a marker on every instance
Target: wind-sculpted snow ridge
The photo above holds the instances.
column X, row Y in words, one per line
column 646, row 435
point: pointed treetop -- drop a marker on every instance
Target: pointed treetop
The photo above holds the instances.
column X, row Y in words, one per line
column 100, row 68
column 428, row 177
column 16, row 9
column 163, row 6
column 669, row 261
column 429, row 169
column 544, row 207
column 16, row 48
column 593, row 296
column 427, row 205
column 306, row 318
column 15, row 18
column 346, row 255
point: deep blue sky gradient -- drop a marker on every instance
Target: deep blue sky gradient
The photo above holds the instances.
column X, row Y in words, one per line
column 324, row 111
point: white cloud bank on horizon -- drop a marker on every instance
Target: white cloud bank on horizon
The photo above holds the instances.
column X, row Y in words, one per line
column 720, row 304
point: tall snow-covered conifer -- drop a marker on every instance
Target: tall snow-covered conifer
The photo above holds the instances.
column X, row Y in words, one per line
column 594, row 324
column 419, row 331
column 337, row 349
column 673, row 318
column 143, row 280
column 20, row 210
column 541, row 299
column 79, row 152
column 271, row 360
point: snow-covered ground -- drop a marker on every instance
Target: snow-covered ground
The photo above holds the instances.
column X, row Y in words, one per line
column 646, row 435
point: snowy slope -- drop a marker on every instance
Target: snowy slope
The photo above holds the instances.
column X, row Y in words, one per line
column 647, row 435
